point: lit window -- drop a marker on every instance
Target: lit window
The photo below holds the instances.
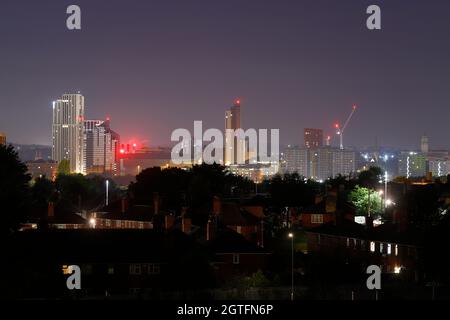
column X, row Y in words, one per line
column 235, row 258
column 381, row 247
column 372, row 246
column 389, row 249
column 317, row 218
column 153, row 268
column 396, row 250
column 135, row 268
column 348, row 242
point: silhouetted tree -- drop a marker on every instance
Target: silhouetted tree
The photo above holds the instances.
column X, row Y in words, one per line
column 14, row 190
column 293, row 190
column 42, row 192
column 370, row 178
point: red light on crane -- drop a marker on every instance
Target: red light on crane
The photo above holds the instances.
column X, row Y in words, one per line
column 355, row 106
column 336, row 125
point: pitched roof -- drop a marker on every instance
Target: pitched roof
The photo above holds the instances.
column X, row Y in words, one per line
column 233, row 215
column 229, row 241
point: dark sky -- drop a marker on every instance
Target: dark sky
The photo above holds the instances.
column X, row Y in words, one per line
column 154, row 66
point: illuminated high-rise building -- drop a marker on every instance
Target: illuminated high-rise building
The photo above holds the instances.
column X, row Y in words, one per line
column 297, row 161
column 313, row 138
column 233, row 143
column 101, row 147
column 343, row 162
column 412, row 164
column 67, row 131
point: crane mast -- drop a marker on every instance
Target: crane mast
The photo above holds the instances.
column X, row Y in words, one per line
column 340, row 131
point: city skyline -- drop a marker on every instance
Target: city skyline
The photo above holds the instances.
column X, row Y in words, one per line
column 181, row 62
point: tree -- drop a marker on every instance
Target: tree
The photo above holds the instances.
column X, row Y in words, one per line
column 370, row 178
column 42, row 192
column 292, row 190
column 360, row 198
column 77, row 192
column 64, row 167
column 14, row 190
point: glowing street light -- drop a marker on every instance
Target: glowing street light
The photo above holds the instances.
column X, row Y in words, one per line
column 92, row 223
column 397, row 269
column 107, row 191
column 291, row 235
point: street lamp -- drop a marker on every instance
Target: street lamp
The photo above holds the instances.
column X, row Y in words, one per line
column 291, row 235
column 107, row 191
column 92, row 222
column 385, row 188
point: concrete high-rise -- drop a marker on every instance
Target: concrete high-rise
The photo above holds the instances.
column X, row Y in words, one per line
column 101, row 147
column 67, row 131
column 297, row 160
column 412, row 164
column 319, row 163
column 232, row 143
column 313, row 138
column 343, row 162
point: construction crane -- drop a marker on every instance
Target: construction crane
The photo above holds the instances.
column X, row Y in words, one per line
column 340, row 131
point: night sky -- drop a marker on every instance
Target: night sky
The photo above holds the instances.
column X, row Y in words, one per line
column 154, row 66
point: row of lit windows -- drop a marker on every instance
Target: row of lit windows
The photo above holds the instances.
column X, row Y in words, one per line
column 381, row 247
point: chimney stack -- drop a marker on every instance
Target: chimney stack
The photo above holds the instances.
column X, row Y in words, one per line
column 217, row 206
column 51, row 210
column 210, row 231
column 124, row 207
column 156, row 202
column 169, row 221
column 186, row 224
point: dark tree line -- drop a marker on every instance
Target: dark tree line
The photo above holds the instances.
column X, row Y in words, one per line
column 15, row 193
column 193, row 187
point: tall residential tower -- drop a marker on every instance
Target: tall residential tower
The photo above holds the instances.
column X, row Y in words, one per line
column 232, row 143
column 67, row 131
